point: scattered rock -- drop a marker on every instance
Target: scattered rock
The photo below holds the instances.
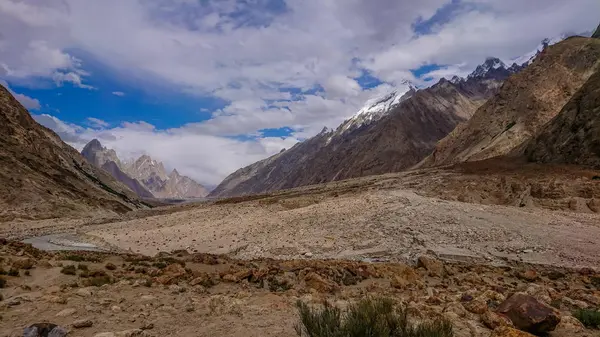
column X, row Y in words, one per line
column 83, row 323
column 105, row 334
column 11, row 302
column 555, row 275
column 83, row 292
column 115, row 308
column 320, row 284
column 23, row 263
column 528, row 314
column 568, row 326
column 148, row 326
column 528, row 275
column 130, row 333
column 434, row 266
column 477, row 306
column 510, row 332
column 148, row 298
column 494, row 320
column 44, row 330
column 110, row 266
column 308, row 254
column 66, row 312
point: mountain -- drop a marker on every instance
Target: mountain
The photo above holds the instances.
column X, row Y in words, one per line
column 597, row 33
column 42, row 177
column 107, row 159
column 525, row 103
column 573, row 136
column 389, row 134
column 154, row 176
column 145, row 176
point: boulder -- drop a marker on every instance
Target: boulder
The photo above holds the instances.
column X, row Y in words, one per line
column 528, row 314
column 320, row 284
column 44, row 330
column 510, row 332
column 434, row 266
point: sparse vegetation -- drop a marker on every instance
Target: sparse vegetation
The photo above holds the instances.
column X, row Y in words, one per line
column 110, row 266
column 2, row 282
column 588, row 317
column 98, row 281
column 13, row 272
column 69, row 270
column 369, row 317
column 82, row 266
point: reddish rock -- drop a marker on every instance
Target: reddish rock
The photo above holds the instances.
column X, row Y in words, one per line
column 528, row 314
column 320, row 284
column 494, row 320
column 528, row 275
column 434, row 266
column 510, row 332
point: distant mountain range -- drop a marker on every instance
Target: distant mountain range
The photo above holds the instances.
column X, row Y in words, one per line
column 145, row 176
column 494, row 111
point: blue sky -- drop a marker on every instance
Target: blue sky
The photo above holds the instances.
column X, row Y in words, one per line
column 210, row 86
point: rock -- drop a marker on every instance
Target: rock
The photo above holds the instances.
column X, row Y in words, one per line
column 528, row 275
column 308, row 254
column 44, row 264
column 477, row 306
column 528, row 314
column 405, row 278
column 83, row 292
column 130, row 333
column 555, row 275
column 457, row 309
column 110, row 266
column 83, row 323
column 148, row 326
column 510, row 332
column 105, row 334
column 66, row 312
column 434, row 266
column 318, row 283
column 44, row 330
column 148, row 298
column 115, row 308
column 493, row 320
column 23, row 263
column 568, row 326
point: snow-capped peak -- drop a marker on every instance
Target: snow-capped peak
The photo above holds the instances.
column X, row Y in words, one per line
column 491, row 63
column 527, row 58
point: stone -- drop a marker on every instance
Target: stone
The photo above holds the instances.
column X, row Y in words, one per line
column 115, row 308
column 493, row 320
column 568, row 326
column 528, row 275
column 82, row 323
column 529, row 314
column 477, row 306
column 147, row 326
column 23, row 263
column 105, row 334
column 434, row 266
column 405, row 278
column 44, row 264
column 308, row 254
column 148, row 298
column 130, row 333
column 320, row 284
column 14, row 301
column 44, row 330
column 110, row 266
column 510, row 332
column 456, row 308
column 83, row 292
column 66, row 312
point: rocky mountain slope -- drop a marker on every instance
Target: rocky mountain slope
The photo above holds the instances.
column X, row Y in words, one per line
column 573, row 136
column 107, row 159
column 597, row 33
column 145, row 176
column 525, row 103
column 42, row 177
column 390, row 134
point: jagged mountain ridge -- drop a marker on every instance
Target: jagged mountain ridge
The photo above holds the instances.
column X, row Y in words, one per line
column 596, row 34
column 390, row 134
column 42, row 177
column 145, row 176
column 526, row 102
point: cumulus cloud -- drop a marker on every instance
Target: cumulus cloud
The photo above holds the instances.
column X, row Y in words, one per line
column 96, row 122
column 275, row 63
column 206, row 158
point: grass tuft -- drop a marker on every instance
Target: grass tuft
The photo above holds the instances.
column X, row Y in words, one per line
column 588, row 317
column 69, row 270
column 367, row 318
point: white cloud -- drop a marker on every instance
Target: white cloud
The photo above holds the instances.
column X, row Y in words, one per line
column 96, row 122
column 118, row 93
column 206, row 158
column 268, row 64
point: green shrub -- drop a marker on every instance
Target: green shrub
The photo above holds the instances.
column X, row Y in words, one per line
column 589, row 318
column 68, row 270
column 367, row 318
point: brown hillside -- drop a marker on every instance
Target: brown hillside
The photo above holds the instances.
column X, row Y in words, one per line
column 42, row 177
column 524, row 104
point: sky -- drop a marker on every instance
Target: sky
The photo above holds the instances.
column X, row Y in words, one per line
column 209, row 86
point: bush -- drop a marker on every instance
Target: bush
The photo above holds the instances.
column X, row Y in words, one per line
column 82, row 266
column 68, row 270
column 589, row 318
column 13, row 272
column 98, row 281
column 367, row 318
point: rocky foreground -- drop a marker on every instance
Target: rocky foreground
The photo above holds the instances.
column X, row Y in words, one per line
column 182, row 294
